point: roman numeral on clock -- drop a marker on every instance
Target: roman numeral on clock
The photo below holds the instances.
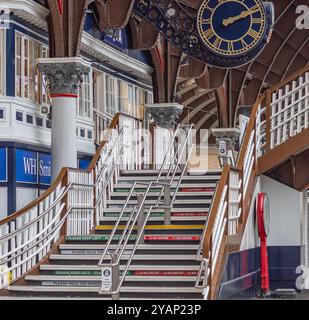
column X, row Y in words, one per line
column 206, row 21
column 257, row 20
column 230, row 46
column 243, row 42
column 252, row 33
column 208, row 33
column 218, row 43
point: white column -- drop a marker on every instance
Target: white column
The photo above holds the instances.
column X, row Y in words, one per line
column 64, row 144
column 64, row 77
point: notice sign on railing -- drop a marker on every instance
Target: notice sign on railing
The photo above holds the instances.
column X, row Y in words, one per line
column 106, row 279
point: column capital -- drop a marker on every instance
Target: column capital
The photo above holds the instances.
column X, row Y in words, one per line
column 64, row 75
column 165, row 114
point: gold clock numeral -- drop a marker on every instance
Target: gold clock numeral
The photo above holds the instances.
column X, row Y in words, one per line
column 206, row 21
column 220, row 1
column 208, row 33
column 243, row 42
column 218, row 43
column 257, row 20
column 230, row 46
column 252, row 33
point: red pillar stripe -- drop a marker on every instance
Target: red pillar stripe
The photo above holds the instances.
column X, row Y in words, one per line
column 64, row 95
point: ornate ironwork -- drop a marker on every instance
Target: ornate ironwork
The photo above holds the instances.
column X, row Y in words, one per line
column 177, row 23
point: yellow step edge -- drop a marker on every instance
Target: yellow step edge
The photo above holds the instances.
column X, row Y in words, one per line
column 167, row 227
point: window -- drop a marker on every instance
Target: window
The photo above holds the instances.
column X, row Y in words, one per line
column 29, row 80
column 1, row 114
column 130, row 99
column 29, row 119
column 82, row 133
column 48, row 124
column 85, row 97
column 110, row 92
column 141, row 103
column 2, row 62
column 19, row 116
column 90, row 135
column 39, row 122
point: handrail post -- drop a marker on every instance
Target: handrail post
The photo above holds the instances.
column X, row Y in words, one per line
column 65, row 182
column 115, row 277
column 141, row 217
column 167, row 204
column 268, row 120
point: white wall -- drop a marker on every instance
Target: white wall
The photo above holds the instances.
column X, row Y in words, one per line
column 251, row 239
column 24, row 197
column 286, row 216
column 285, row 213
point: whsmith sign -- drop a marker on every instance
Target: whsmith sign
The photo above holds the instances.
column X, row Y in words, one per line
column 33, row 167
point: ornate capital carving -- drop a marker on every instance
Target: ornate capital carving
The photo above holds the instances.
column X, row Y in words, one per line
column 165, row 114
column 64, row 77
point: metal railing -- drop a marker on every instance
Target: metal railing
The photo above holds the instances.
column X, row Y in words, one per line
column 137, row 215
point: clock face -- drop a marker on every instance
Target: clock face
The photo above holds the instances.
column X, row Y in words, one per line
column 231, row 27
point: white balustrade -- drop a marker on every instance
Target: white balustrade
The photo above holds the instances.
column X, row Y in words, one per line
column 27, row 238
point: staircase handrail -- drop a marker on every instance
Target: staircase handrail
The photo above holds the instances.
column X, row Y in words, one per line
column 115, row 257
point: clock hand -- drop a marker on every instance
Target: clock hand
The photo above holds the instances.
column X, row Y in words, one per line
column 231, row 20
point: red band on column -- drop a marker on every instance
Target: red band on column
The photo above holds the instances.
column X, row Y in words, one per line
column 64, row 95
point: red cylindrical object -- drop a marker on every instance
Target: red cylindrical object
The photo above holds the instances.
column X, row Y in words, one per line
column 265, row 287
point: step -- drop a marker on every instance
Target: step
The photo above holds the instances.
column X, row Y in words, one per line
column 178, row 202
column 157, row 194
column 205, row 178
column 158, row 257
column 165, row 171
column 154, row 227
column 149, row 237
column 190, row 187
column 159, row 212
column 186, row 290
column 93, row 268
column 48, row 278
column 129, row 247
column 149, row 249
column 114, row 218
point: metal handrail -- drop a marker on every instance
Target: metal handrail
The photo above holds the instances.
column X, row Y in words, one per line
column 141, row 233
column 110, row 152
column 200, row 249
column 63, row 192
column 128, row 229
column 203, row 267
column 58, row 226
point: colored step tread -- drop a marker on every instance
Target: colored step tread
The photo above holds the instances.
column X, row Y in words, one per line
column 134, row 237
column 155, row 227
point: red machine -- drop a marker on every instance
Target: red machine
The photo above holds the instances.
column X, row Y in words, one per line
column 263, row 220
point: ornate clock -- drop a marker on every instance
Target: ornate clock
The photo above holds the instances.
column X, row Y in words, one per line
column 235, row 28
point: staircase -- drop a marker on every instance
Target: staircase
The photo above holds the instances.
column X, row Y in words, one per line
column 163, row 232
column 164, row 266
